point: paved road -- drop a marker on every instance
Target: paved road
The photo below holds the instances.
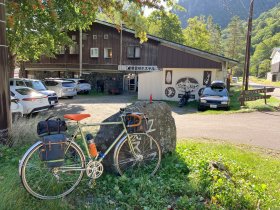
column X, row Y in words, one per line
column 258, row 129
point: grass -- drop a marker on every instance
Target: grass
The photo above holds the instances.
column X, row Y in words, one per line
column 264, row 81
column 186, row 180
column 94, row 93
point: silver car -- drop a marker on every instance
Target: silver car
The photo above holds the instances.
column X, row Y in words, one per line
column 63, row 88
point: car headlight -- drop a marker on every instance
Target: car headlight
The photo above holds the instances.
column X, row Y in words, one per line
column 224, row 102
column 203, row 101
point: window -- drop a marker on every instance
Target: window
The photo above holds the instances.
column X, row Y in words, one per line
column 11, row 83
column 26, row 91
column 106, row 36
column 20, row 83
column 84, row 37
column 61, row 50
column 94, row 36
column 68, row 84
column 133, row 52
column 12, row 94
column 73, row 37
column 94, row 52
column 74, row 49
column 51, row 83
column 108, row 53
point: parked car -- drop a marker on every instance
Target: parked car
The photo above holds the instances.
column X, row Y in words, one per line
column 63, row 88
column 82, row 85
column 16, row 108
column 214, row 98
column 31, row 100
column 38, row 86
column 234, row 79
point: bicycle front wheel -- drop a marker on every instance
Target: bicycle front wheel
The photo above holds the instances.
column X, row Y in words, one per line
column 44, row 182
column 138, row 156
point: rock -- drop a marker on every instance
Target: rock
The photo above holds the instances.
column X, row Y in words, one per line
column 163, row 123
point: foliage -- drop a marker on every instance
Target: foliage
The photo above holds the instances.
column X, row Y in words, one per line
column 186, row 180
column 266, row 36
column 215, row 36
column 40, row 27
column 234, row 43
column 196, row 34
column 165, row 25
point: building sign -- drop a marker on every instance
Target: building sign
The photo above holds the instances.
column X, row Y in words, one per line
column 170, row 92
column 187, row 84
column 137, row 68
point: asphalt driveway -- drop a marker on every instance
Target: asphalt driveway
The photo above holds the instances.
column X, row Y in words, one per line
column 258, row 128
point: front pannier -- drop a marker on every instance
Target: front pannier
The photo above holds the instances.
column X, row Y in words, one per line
column 53, row 149
column 48, row 127
column 131, row 120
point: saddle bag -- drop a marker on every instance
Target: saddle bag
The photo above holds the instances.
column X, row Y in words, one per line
column 53, row 150
column 48, row 127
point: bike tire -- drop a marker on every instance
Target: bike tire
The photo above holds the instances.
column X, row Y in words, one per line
column 41, row 178
column 149, row 156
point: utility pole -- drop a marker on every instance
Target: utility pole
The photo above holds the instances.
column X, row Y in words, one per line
column 5, row 113
column 248, row 47
column 81, row 51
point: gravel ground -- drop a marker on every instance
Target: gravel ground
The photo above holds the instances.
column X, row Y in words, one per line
column 258, row 128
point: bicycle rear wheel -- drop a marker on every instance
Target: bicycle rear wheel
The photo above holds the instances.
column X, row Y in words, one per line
column 52, row 183
column 146, row 159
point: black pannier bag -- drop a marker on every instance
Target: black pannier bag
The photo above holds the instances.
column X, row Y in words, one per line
column 53, row 150
column 131, row 120
column 48, row 127
column 54, row 141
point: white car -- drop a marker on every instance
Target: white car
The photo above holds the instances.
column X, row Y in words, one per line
column 16, row 108
column 82, row 85
column 63, row 88
column 31, row 100
column 38, row 86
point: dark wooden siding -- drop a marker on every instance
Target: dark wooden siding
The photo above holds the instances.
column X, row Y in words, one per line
column 172, row 58
column 152, row 52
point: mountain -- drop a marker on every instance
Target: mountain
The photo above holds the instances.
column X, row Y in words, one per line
column 222, row 10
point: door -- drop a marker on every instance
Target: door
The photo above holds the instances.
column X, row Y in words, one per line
column 130, row 83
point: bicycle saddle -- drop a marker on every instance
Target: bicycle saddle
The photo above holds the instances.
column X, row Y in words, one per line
column 76, row 117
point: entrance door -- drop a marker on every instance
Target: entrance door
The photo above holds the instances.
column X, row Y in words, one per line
column 130, row 83
column 274, row 78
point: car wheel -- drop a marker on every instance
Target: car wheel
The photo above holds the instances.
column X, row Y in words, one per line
column 70, row 97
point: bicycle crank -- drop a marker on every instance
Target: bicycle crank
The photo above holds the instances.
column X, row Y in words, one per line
column 94, row 169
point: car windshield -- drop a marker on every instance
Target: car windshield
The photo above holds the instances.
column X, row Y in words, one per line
column 26, row 91
column 82, row 81
column 68, row 84
column 37, row 85
column 215, row 92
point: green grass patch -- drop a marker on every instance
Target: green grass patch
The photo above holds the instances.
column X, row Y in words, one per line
column 187, row 179
column 264, row 81
column 94, row 93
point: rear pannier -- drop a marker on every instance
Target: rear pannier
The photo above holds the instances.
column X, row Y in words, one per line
column 54, row 141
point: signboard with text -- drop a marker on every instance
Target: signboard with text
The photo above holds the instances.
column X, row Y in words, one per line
column 253, row 95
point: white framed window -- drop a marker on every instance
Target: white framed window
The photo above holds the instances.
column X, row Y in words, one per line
column 73, row 37
column 94, row 52
column 108, row 53
column 74, row 49
column 133, row 51
column 61, row 50
column 94, row 36
column 106, row 36
column 84, row 37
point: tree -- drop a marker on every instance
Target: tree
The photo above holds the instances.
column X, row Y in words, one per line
column 196, row 34
column 165, row 25
column 37, row 27
column 234, row 39
column 215, row 36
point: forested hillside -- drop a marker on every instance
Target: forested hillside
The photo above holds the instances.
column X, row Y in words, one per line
column 222, row 10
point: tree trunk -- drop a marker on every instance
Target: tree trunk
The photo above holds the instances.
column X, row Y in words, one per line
column 22, row 72
column 11, row 63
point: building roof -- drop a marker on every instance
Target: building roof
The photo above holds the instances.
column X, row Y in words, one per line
column 184, row 48
column 276, row 49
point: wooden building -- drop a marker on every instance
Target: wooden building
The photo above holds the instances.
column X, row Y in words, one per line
column 115, row 59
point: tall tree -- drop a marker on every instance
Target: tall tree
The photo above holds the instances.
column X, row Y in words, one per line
column 196, row 34
column 234, row 38
column 165, row 25
column 215, row 36
column 37, row 27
